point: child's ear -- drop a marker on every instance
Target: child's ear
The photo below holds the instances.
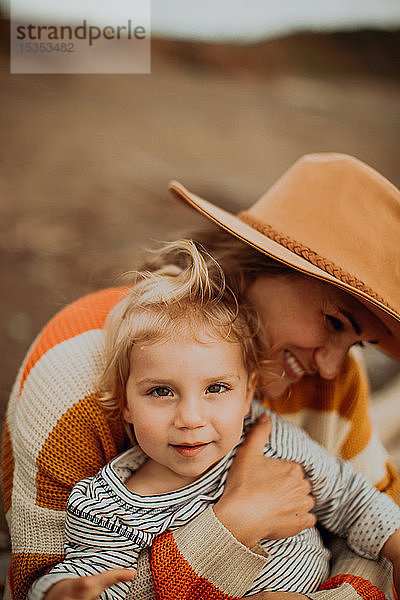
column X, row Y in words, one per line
column 126, row 413
column 251, row 387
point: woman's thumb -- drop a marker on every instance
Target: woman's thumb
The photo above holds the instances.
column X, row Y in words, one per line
column 257, row 436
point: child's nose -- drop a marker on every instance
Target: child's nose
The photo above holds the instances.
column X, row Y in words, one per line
column 189, row 414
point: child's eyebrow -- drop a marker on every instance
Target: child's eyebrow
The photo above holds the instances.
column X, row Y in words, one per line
column 223, row 376
column 154, row 381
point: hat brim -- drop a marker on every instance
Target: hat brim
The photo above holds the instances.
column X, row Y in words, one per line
column 235, row 226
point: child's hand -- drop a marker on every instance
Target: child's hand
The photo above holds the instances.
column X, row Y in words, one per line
column 391, row 550
column 90, row 587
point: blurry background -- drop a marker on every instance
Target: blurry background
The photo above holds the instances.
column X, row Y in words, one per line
column 233, row 99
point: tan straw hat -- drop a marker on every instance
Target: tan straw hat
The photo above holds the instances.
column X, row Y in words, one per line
column 333, row 217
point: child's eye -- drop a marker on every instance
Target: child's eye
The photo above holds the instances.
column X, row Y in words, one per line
column 161, row 392
column 216, row 388
column 335, row 323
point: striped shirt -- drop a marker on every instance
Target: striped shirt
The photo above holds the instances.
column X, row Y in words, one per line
column 107, row 525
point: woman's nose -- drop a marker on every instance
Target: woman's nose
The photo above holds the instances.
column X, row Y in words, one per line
column 189, row 414
column 329, row 358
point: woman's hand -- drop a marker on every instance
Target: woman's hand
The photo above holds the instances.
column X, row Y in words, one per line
column 264, row 498
column 88, row 588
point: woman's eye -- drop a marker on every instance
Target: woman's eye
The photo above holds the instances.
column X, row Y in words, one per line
column 161, row 391
column 334, row 322
column 216, row 388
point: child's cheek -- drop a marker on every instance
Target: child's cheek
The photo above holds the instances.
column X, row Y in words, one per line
column 147, row 430
column 231, row 428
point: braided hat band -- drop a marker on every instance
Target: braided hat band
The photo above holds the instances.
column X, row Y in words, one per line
column 313, row 257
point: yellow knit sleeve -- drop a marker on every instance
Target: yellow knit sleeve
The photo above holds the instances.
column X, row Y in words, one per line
column 362, row 446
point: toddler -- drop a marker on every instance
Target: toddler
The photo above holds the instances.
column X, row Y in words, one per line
column 181, row 371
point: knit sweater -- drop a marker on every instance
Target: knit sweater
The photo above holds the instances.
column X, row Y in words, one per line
column 56, row 434
column 108, row 525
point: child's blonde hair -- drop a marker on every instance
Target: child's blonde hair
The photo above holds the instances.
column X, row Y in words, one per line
column 188, row 293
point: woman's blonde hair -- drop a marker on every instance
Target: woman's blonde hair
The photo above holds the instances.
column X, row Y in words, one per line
column 188, row 292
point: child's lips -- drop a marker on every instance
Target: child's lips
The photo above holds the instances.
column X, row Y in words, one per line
column 189, row 450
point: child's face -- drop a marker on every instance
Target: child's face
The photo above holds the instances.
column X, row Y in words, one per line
column 186, row 399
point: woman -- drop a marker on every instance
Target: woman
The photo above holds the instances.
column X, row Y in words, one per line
column 319, row 266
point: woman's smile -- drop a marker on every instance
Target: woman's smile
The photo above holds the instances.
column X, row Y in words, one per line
column 293, row 369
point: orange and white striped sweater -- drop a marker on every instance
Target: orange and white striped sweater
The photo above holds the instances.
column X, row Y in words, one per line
column 56, row 434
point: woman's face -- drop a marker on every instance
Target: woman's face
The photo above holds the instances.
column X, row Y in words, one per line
column 310, row 325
